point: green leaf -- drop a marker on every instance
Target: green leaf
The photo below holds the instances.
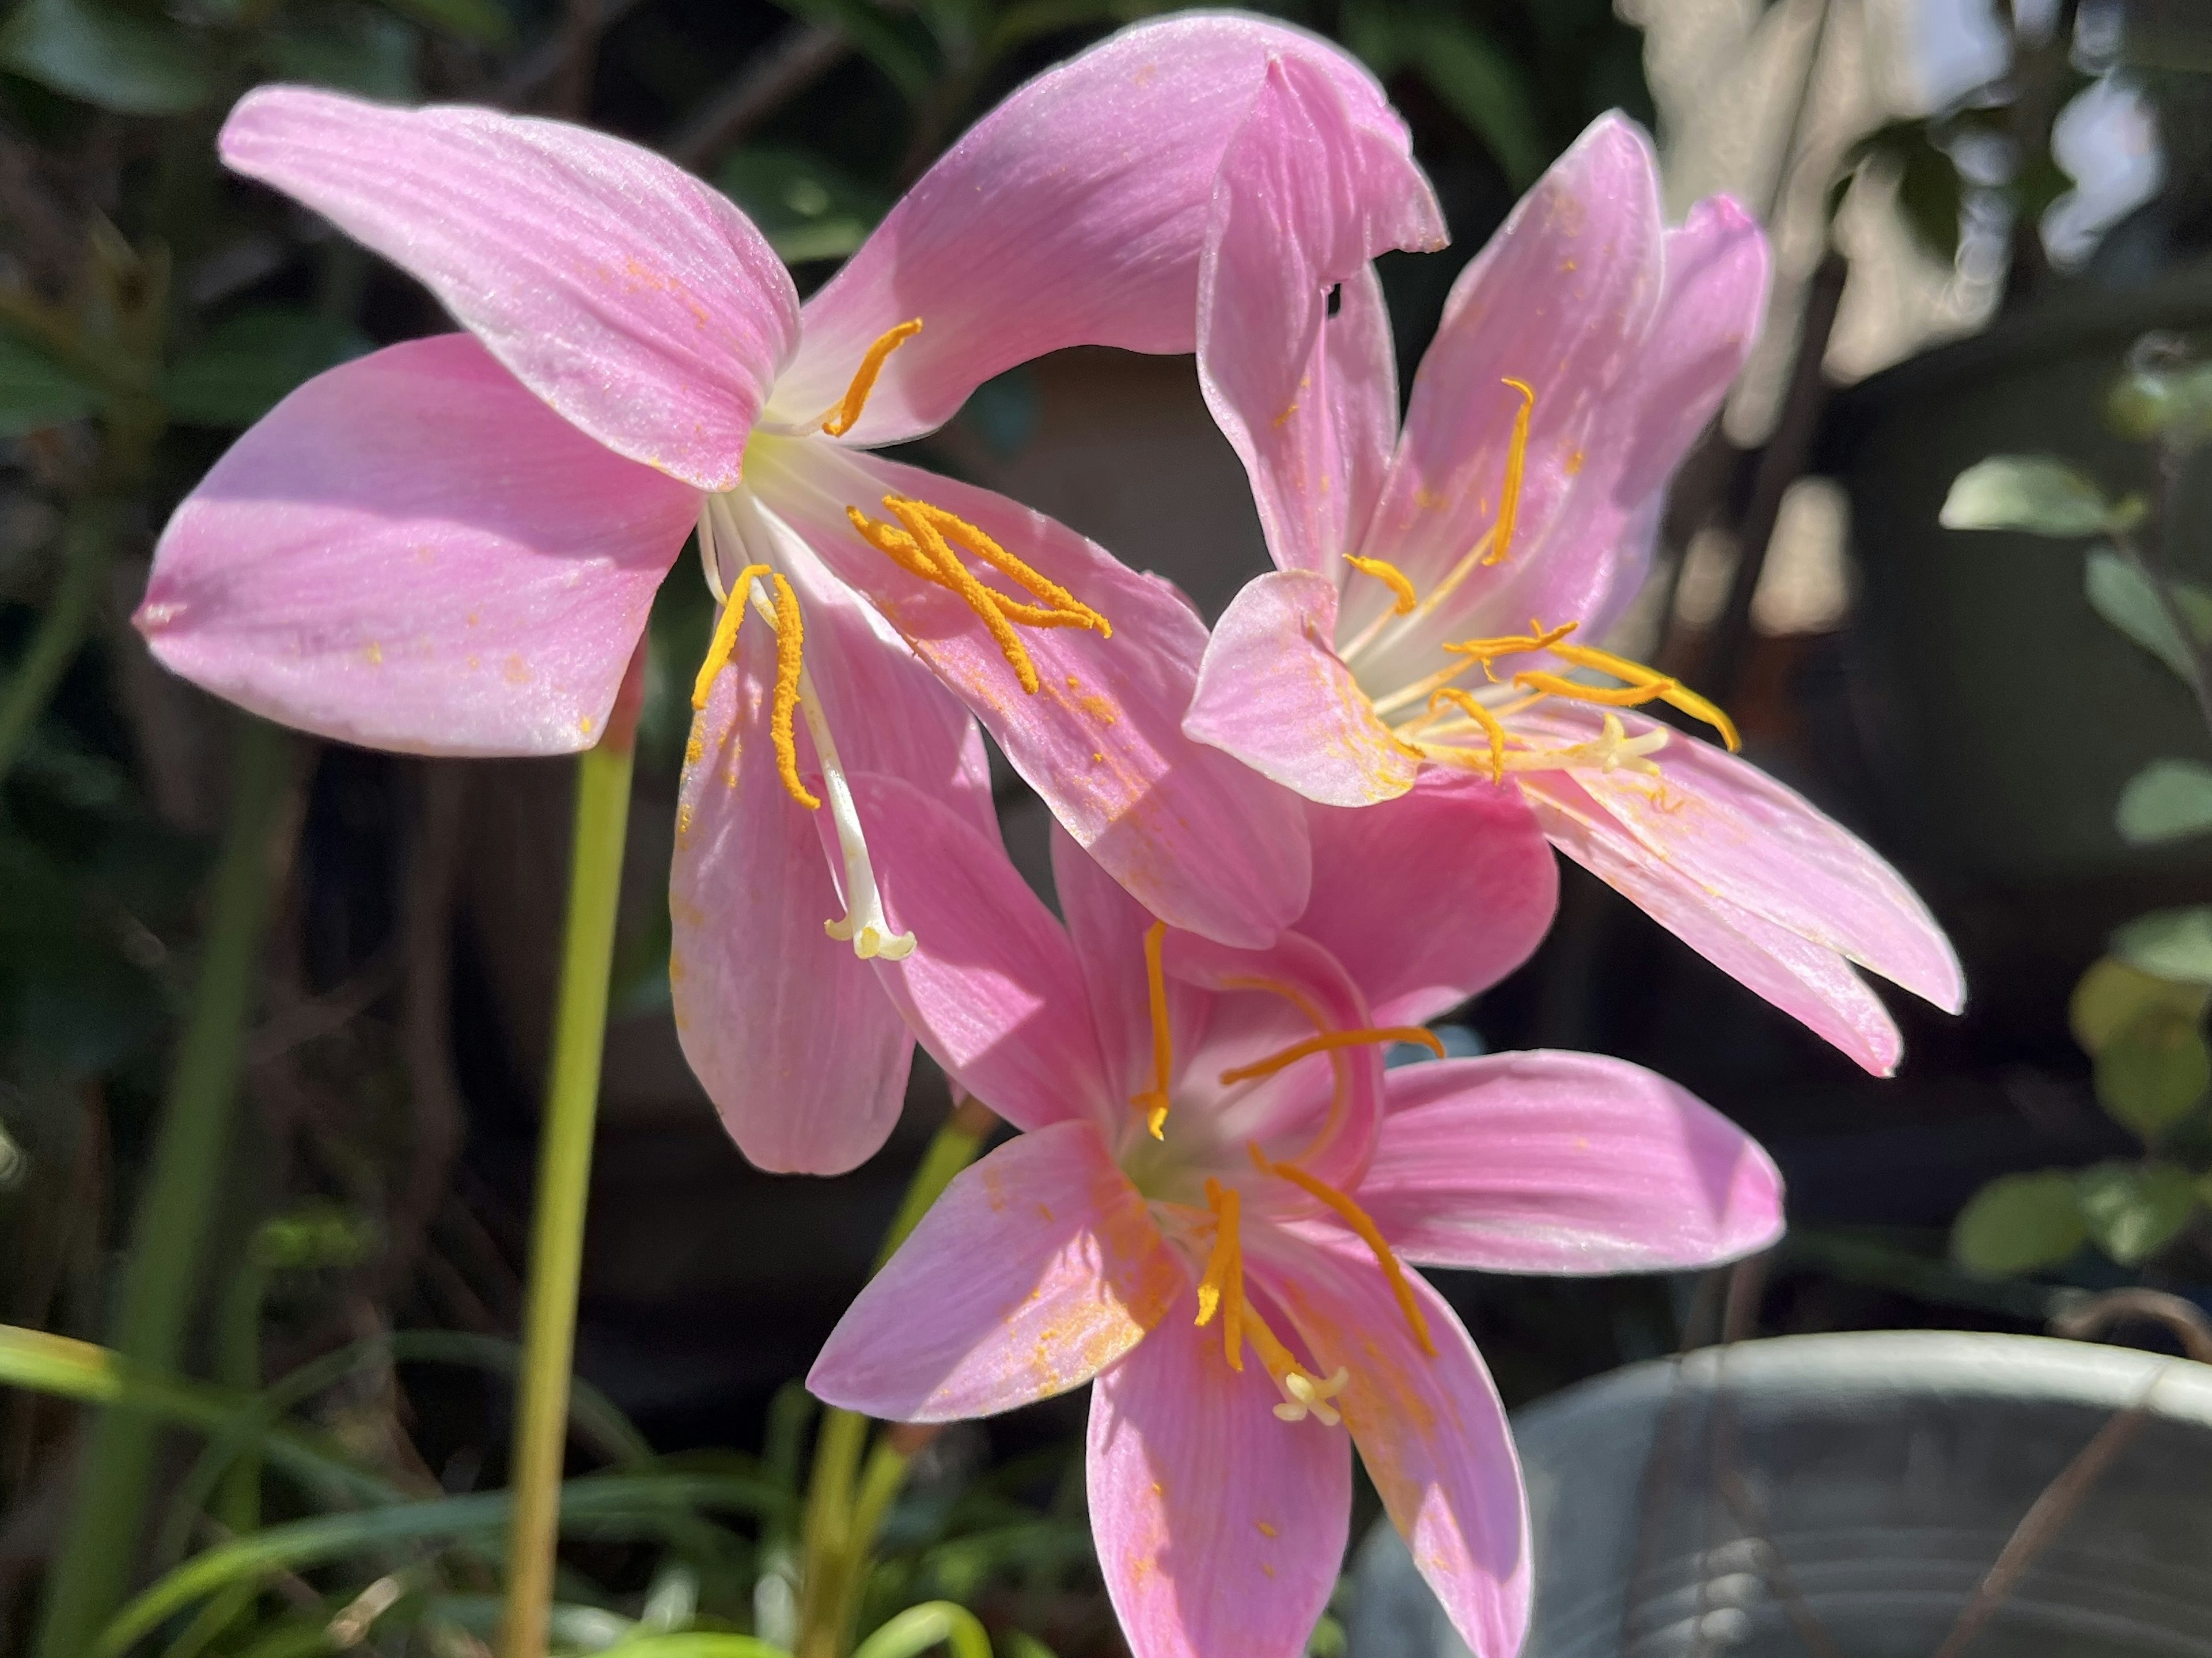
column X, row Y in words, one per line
column 806, row 206
column 2152, row 1071
column 2174, row 944
column 36, row 391
column 2119, row 591
column 2036, row 494
column 2112, row 995
column 882, row 41
column 132, row 63
column 370, row 52
column 247, row 365
column 2019, row 1224
column 1484, row 87
column 484, row 21
column 2134, row 1209
column 2166, row 800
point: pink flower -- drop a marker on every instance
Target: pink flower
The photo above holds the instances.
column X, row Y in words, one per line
column 1217, row 1190
column 1440, row 592
column 450, row 546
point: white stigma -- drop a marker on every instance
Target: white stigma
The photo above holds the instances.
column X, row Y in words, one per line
column 1307, row 1397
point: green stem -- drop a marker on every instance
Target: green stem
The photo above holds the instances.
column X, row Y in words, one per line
column 564, row 1171
column 161, row 1280
column 237, row 1360
column 845, row 1505
column 88, row 539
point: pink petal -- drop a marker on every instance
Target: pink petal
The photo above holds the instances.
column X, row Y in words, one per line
column 1107, row 927
column 1430, row 898
column 412, row 552
column 1562, row 299
column 1807, row 980
column 1219, row 1528
column 1074, row 214
column 1298, row 205
column 633, row 299
column 1430, row 1428
column 1563, row 1163
column 1728, row 828
column 992, row 989
column 1594, row 559
column 1199, row 840
column 1036, row 1269
column 1271, row 691
column 786, row 1029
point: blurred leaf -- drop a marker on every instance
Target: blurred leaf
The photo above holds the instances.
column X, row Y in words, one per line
column 2174, row 944
column 248, row 364
column 1005, row 411
column 2162, row 402
column 370, row 52
column 36, row 391
column 484, row 22
column 317, row 1234
column 131, row 62
column 2134, row 1209
column 2166, row 800
column 1929, row 196
column 806, row 206
column 2018, row 1223
column 1484, row 87
column 2113, row 995
column 877, row 37
column 2152, row 1071
column 2118, row 592
column 2034, row 492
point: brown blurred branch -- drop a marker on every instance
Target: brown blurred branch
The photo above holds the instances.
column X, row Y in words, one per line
column 794, row 61
column 2185, row 1319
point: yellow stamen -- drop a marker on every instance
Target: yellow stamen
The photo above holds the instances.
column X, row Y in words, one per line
column 1328, row 1040
column 1486, row 651
column 1676, row 695
column 1611, row 696
column 1369, row 1234
column 1516, row 460
column 1222, row 1289
column 864, row 377
column 725, row 636
column 925, row 547
column 1492, row 729
column 1154, row 1100
column 789, row 637
column 1391, row 577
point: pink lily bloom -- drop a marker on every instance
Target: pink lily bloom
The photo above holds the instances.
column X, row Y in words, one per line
column 1216, row 1192
column 1440, row 593
column 450, row 546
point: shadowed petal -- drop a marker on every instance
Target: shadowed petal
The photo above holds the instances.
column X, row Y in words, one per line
column 1432, row 898
column 1299, row 204
column 1429, row 1427
column 1272, row 692
column 992, row 988
column 610, row 283
column 789, row 1032
column 1809, row 982
column 1563, row 1163
column 1075, row 214
column 1037, row 1268
column 1200, row 840
column 412, row 552
column 1220, row 1529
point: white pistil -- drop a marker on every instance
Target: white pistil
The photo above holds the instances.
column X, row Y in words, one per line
column 1306, row 1396
column 863, row 924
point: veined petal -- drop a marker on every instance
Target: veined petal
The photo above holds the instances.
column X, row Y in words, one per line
column 1728, row 828
column 992, row 988
column 1809, row 982
column 1563, row 1163
column 1562, row 299
column 1107, row 928
column 1429, row 1426
column 1297, row 207
column 1075, row 214
column 1271, row 691
column 1200, row 840
column 630, row 296
column 412, row 552
column 1037, row 1268
column 1432, row 898
column 1220, row 1529
column 789, row 1032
